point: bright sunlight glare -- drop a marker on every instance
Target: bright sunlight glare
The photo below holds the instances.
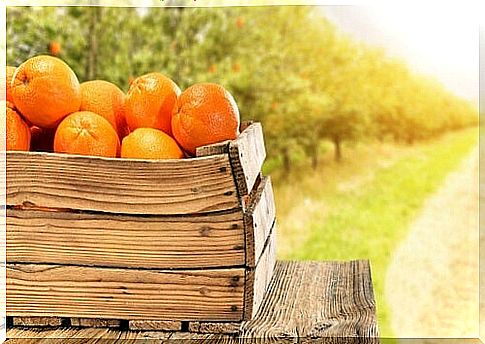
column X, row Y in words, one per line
column 439, row 41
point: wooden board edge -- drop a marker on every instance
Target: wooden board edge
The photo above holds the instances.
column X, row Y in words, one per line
column 214, row 149
column 93, row 322
column 134, row 283
column 247, row 154
column 258, row 279
column 258, row 220
column 155, row 325
column 37, row 321
column 166, row 187
column 215, row 327
column 27, row 228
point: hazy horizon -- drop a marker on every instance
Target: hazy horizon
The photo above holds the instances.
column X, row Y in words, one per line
column 424, row 39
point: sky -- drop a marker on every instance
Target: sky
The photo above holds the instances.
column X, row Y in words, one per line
column 439, row 41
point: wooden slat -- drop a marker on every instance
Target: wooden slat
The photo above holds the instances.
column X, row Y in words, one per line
column 307, row 302
column 193, row 338
column 315, row 300
column 40, row 321
column 155, row 325
column 127, row 186
column 142, row 337
column 215, row 240
column 214, row 327
column 214, row 149
column 258, row 279
column 85, row 335
column 130, row 294
column 247, row 155
column 68, row 335
column 259, row 219
column 92, row 322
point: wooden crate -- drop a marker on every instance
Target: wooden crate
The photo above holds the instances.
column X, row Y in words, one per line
column 153, row 244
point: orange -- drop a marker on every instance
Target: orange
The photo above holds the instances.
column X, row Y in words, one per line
column 45, row 90
column 86, row 133
column 212, row 69
column 107, row 100
column 204, row 114
column 54, row 48
column 149, row 143
column 7, row 82
column 240, row 22
column 150, row 101
column 18, row 132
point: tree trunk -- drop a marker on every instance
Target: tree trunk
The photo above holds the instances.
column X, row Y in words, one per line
column 314, row 156
column 410, row 139
column 286, row 160
column 94, row 18
column 338, row 148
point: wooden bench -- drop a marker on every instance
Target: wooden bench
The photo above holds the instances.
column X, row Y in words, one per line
column 306, row 302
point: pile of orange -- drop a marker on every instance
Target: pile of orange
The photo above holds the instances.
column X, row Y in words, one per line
column 47, row 109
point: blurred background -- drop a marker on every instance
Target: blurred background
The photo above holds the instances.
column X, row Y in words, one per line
column 371, row 129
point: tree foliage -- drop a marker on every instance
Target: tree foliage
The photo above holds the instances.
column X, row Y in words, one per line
column 287, row 67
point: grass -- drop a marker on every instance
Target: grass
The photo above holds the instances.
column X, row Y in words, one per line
column 362, row 207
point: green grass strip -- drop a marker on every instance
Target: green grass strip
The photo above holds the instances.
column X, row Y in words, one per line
column 370, row 221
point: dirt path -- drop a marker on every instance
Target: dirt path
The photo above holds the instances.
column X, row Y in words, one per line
column 432, row 281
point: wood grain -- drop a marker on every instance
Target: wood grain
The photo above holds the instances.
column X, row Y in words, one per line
column 247, row 155
column 155, row 325
column 85, row 335
column 37, row 321
column 316, row 300
column 60, row 335
column 214, row 149
column 215, row 240
column 258, row 279
column 130, row 294
column 195, row 338
column 308, row 302
column 259, row 219
column 165, row 187
column 215, row 327
column 92, row 322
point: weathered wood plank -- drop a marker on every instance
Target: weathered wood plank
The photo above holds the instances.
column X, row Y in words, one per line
column 64, row 335
column 308, row 302
column 130, row 294
column 143, row 337
column 155, row 325
column 93, row 322
column 214, row 149
column 259, row 219
column 84, row 335
column 127, row 186
column 215, row 327
column 215, row 240
column 192, row 338
column 315, row 300
column 247, row 155
column 259, row 278
column 40, row 321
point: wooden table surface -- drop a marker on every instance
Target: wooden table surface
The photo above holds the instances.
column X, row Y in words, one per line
column 306, row 301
